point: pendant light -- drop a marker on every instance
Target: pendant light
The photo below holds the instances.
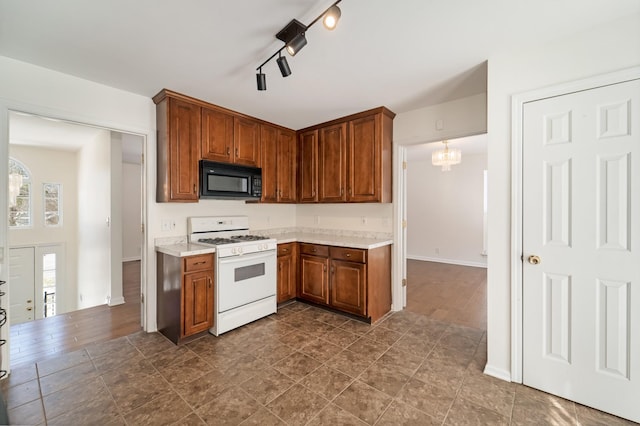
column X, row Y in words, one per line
column 331, row 17
column 446, row 157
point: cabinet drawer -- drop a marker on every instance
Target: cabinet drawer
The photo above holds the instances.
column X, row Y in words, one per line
column 349, row 254
column 285, row 249
column 198, row 263
column 314, row 249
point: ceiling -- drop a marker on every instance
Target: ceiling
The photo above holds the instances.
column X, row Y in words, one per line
column 404, row 55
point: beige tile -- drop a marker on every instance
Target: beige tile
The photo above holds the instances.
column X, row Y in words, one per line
column 398, row 360
column 297, row 365
column 356, row 327
column 415, row 346
column 327, row 382
column 116, row 358
column 99, row 411
column 131, row 391
column 351, row 363
column 150, row 343
column 96, row 350
column 334, row 415
column 384, row 378
column 400, row 413
column 372, row 349
column 267, row 385
column 363, row 401
column 398, row 323
column 273, row 352
column 296, row 339
column 384, row 335
column 186, row 371
column 297, row 405
column 458, row 342
column 530, row 409
column 202, row 390
column 320, row 349
column 590, row 417
column 190, row 420
column 464, row 412
column 232, row 407
column 489, row 392
column 427, row 398
column 262, row 417
column 172, row 356
column 439, row 373
column 340, row 337
column 165, row 409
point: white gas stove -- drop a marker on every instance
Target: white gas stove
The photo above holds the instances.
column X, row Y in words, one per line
column 245, row 270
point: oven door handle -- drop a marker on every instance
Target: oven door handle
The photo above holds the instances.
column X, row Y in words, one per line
column 252, row 257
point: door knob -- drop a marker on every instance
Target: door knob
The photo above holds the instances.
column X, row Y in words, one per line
column 534, row 260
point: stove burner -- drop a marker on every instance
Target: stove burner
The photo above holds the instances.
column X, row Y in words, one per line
column 217, row 241
column 249, row 237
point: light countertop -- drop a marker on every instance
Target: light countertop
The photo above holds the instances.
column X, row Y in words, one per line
column 179, row 246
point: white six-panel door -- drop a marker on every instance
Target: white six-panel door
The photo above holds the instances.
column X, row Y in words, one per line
column 581, row 247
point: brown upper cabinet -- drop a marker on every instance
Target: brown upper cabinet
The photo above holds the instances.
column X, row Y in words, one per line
column 348, row 159
column 178, row 149
column 230, row 139
column 279, row 164
column 343, row 160
column 308, row 168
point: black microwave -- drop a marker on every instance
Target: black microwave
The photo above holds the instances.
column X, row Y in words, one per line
column 229, row 181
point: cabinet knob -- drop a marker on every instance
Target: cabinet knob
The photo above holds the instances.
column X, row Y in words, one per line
column 29, row 301
column 348, row 254
column 228, row 151
column 285, row 250
column 314, row 250
column 237, row 152
column 324, row 268
column 313, row 193
column 29, row 308
column 341, row 191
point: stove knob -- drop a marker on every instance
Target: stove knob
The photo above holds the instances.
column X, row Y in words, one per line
column 239, row 250
column 233, row 251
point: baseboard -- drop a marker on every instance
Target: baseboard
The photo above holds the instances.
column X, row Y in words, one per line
column 498, row 373
column 116, row 301
column 131, row 259
column 449, row 261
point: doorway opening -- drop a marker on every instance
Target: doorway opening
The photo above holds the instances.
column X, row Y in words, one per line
column 446, row 229
column 96, row 169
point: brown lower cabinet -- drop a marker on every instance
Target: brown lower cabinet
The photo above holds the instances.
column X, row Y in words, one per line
column 287, row 271
column 185, row 295
column 356, row 281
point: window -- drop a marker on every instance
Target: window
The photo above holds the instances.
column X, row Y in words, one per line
column 52, row 204
column 19, row 195
column 49, row 281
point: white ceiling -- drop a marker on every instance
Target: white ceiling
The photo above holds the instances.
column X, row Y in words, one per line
column 402, row 54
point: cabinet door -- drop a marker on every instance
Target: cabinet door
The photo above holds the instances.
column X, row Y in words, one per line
column 217, row 135
column 269, row 142
column 246, row 135
column 287, row 166
column 332, row 165
column 198, row 302
column 348, row 286
column 286, row 276
column 308, row 151
column 365, row 148
column 314, row 279
column 184, row 137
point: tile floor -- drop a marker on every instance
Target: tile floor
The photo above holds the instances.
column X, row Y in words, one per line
column 301, row 366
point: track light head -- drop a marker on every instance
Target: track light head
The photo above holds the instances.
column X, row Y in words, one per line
column 331, row 17
column 297, row 43
column 283, row 65
column 261, row 79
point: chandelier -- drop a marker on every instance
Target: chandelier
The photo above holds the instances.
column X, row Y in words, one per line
column 446, row 157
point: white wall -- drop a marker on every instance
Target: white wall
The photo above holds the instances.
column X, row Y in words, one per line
column 349, row 217
column 94, row 191
column 131, row 211
column 115, row 221
column 459, row 118
column 445, row 211
column 52, row 166
column 603, row 49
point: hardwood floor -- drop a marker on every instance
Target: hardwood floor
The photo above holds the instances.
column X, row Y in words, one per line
column 452, row 293
column 41, row 339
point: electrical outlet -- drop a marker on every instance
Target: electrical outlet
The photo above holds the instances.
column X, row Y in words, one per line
column 166, row 225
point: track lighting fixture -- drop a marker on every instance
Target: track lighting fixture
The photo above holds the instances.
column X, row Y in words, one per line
column 297, row 43
column 283, row 65
column 293, row 36
column 331, row 17
column 261, row 79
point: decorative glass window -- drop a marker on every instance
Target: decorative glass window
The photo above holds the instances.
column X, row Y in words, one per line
column 19, row 195
column 52, row 204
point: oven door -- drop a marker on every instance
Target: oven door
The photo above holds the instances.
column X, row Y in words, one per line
column 244, row 279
